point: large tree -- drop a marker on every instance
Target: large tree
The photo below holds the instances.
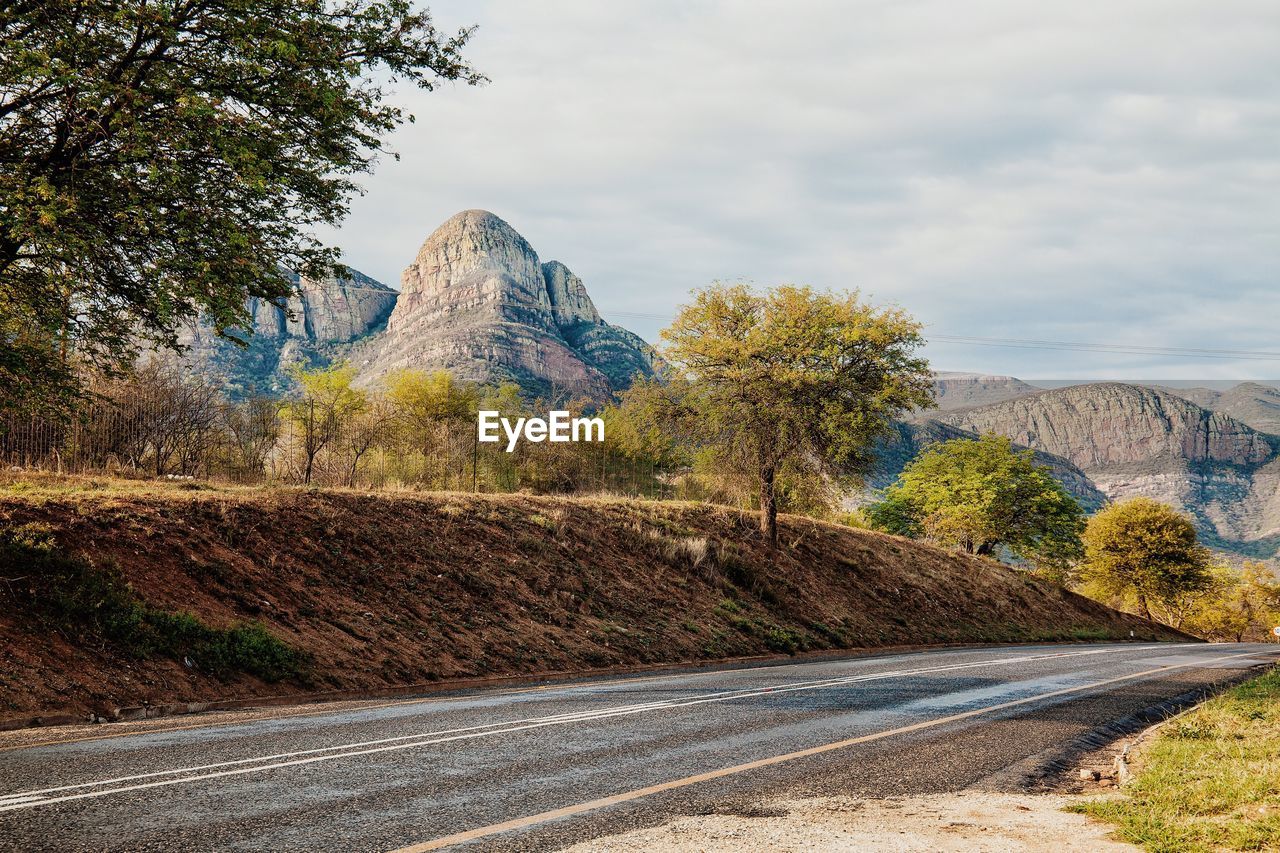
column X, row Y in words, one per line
column 980, row 496
column 791, row 375
column 165, row 159
column 1146, row 551
column 1240, row 603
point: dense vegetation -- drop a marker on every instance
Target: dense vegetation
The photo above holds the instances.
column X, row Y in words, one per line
column 789, row 378
column 781, row 402
column 984, row 497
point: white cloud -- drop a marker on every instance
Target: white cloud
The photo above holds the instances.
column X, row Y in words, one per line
column 1088, row 171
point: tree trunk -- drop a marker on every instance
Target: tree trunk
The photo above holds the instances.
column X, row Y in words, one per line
column 9, row 250
column 768, row 506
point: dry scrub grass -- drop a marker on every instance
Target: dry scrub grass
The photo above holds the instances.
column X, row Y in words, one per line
column 1210, row 780
column 383, row 589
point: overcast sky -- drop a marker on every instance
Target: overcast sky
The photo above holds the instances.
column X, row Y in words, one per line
column 1076, row 171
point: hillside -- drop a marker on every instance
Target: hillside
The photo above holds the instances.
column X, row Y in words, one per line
column 953, row 390
column 1135, row 440
column 372, row 591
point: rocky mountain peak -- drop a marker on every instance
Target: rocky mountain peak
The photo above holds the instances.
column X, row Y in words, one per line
column 570, row 303
column 478, row 301
column 475, row 261
column 466, row 242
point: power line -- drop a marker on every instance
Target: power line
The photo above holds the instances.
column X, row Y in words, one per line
column 1118, row 349
column 973, row 340
column 1064, row 346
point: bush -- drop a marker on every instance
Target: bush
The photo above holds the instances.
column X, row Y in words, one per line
column 783, row 640
column 87, row 602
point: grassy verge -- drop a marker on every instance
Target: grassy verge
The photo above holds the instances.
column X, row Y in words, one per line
column 91, row 603
column 1209, row 780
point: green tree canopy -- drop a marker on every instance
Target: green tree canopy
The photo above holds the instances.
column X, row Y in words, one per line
column 164, row 159
column 791, row 375
column 1145, row 550
column 981, row 495
column 1239, row 604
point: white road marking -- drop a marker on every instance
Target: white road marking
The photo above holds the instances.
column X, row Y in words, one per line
column 627, row 796
column 10, row 799
column 471, row 732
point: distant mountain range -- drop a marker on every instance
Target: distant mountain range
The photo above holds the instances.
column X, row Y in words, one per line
column 1213, row 453
column 476, row 300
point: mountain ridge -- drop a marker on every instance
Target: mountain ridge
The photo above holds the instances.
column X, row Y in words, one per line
column 476, row 300
column 1132, row 440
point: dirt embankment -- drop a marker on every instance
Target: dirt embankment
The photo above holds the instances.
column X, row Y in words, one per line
column 389, row 589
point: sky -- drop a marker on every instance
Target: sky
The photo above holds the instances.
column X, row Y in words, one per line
column 1099, row 172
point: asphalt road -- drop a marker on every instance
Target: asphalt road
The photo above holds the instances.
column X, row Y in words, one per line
column 537, row 768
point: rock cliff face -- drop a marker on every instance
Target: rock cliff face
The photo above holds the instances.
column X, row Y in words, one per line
column 333, row 310
column 1249, row 402
column 338, row 310
column 322, row 317
column 570, row 303
column 1106, row 424
column 1132, row 440
column 477, row 301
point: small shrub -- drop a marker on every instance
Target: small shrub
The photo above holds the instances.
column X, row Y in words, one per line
column 1193, row 729
column 854, row 518
column 782, row 640
column 689, row 549
column 90, row 602
column 543, row 522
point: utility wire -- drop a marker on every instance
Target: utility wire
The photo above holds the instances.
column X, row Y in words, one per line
column 972, row 340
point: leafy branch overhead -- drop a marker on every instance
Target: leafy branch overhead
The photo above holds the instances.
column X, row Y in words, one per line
column 164, row 160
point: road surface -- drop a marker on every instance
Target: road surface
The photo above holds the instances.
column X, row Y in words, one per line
column 538, row 768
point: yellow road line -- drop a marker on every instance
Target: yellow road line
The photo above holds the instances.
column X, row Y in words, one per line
column 591, row 805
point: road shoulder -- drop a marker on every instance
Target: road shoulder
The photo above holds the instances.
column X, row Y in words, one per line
column 963, row 822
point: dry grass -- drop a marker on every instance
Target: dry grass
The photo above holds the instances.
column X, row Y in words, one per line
column 382, row 589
